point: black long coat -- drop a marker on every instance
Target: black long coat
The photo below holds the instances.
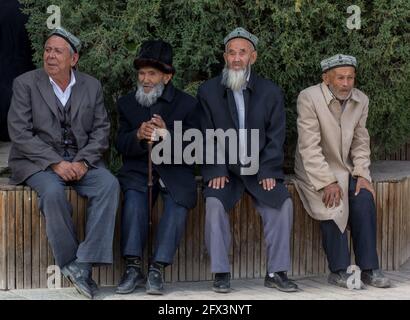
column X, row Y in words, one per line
column 264, row 110
column 179, row 179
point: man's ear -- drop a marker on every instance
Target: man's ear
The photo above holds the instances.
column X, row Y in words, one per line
column 254, row 56
column 167, row 77
column 226, row 58
column 325, row 78
column 74, row 59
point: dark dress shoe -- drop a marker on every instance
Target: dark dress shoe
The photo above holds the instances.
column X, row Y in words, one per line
column 281, row 282
column 93, row 285
column 155, row 280
column 339, row 278
column 78, row 277
column 375, row 278
column 222, row 282
column 132, row 278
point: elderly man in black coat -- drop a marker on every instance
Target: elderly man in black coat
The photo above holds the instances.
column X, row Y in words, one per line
column 241, row 100
column 155, row 105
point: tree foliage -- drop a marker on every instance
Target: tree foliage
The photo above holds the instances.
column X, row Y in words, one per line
column 294, row 37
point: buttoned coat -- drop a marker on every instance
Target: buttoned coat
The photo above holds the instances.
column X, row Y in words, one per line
column 265, row 112
column 332, row 145
column 174, row 106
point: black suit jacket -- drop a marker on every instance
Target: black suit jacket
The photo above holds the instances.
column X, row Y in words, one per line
column 179, row 179
column 264, row 110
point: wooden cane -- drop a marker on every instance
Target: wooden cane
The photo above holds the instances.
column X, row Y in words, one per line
column 150, row 185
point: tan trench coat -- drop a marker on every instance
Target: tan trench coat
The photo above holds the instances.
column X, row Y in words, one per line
column 331, row 146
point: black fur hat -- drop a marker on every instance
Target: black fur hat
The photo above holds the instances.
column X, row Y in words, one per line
column 157, row 54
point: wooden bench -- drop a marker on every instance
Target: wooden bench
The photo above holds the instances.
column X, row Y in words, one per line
column 25, row 254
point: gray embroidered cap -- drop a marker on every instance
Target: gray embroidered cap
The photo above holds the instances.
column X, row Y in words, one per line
column 74, row 42
column 338, row 60
column 242, row 33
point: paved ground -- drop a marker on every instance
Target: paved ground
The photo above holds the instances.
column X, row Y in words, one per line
column 312, row 288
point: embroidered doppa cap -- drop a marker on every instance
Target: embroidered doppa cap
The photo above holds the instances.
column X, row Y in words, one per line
column 74, row 42
column 242, row 33
column 338, row 60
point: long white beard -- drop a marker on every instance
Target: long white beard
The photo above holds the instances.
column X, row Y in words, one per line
column 235, row 79
column 148, row 99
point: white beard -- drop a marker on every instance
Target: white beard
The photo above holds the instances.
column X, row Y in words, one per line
column 148, row 99
column 235, row 79
column 339, row 97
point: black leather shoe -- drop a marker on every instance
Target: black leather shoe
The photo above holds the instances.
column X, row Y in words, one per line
column 339, row 278
column 155, row 280
column 78, row 277
column 132, row 278
column 375, row 278
column 281, row 282
column 222, row 282
column 93, row 285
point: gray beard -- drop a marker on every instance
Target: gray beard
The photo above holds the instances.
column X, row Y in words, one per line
column 148, row 99
column 235, row 79
column 332, row 90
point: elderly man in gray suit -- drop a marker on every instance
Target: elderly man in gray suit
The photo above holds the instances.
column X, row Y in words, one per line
column 59, row 130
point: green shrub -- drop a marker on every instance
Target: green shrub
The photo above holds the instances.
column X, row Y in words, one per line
column 294, row 37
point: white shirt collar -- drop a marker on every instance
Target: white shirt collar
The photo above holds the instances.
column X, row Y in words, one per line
column 63, row 96
column 70, row 85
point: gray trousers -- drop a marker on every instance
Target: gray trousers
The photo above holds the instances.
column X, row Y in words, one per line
column 102, row 190
column 277, row 225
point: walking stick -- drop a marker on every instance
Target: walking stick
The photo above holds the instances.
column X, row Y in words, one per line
column 150, row 184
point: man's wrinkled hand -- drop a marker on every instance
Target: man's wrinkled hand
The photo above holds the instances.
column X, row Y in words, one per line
column 268, row 184
column 146, row 131
column 218, row 183
column 363, row 183
column 65, row 170
column 80, row 169
column 332, row 194
column 158, row 121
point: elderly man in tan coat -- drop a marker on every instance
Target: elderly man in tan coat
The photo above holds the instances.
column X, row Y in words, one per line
column 332, row 170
